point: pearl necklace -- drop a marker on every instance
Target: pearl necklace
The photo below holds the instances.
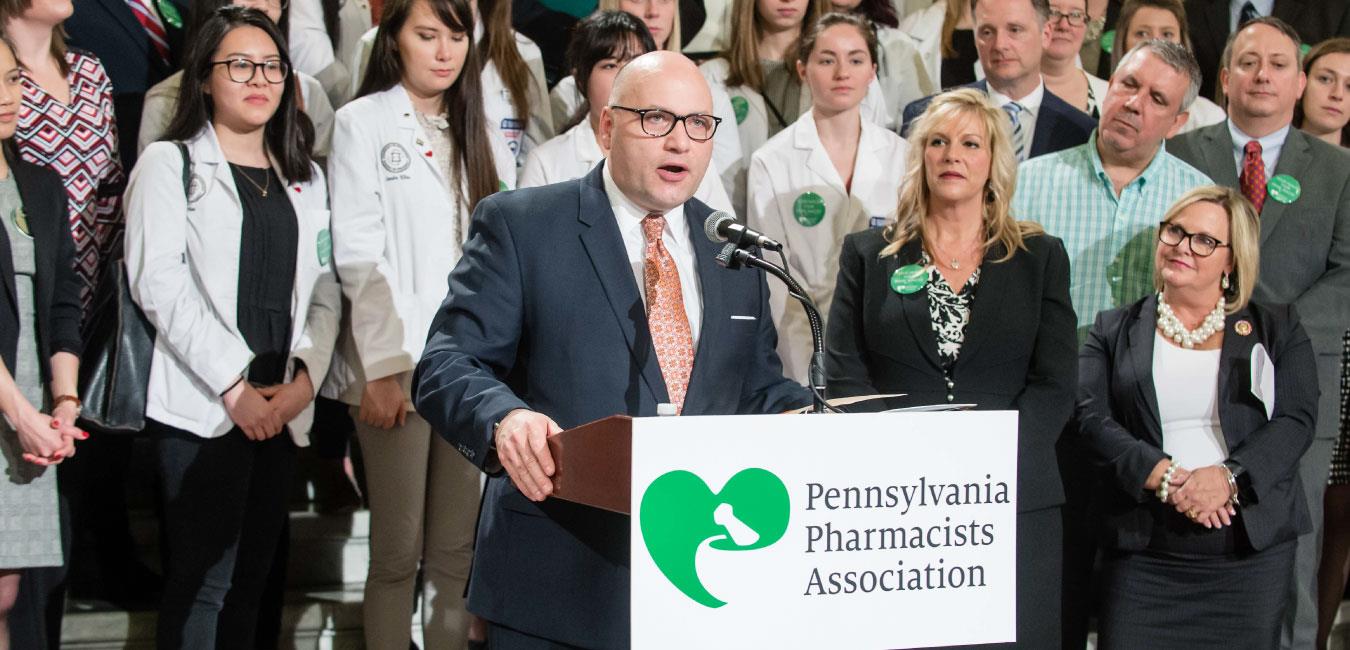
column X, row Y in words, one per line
column 1172, row 327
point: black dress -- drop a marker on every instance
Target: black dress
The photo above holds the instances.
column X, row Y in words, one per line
column 267, row 249
column 960, row 70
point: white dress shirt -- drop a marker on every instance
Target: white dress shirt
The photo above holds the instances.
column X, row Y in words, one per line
column 1270, row 147
column 676, row 238
column 1031, row 107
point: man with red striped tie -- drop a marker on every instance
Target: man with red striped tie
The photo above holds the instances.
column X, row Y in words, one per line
column 138, row 42
column 1300, row 186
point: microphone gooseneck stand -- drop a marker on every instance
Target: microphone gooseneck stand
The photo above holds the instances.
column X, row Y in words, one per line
column 734, row 257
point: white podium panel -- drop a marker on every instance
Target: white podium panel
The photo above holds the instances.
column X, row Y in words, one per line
column 846, row 531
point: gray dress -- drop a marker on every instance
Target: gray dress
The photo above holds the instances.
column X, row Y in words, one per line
column 30, row 532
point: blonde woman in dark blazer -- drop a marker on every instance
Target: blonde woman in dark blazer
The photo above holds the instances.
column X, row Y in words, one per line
column 957, row 302
column 1199, row 497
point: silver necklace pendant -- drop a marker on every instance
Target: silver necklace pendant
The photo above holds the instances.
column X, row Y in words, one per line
column 956, row 264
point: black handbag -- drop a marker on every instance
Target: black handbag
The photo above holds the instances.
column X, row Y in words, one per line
column 119, row 343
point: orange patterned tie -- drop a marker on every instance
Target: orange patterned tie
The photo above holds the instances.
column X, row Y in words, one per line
column 665, row 312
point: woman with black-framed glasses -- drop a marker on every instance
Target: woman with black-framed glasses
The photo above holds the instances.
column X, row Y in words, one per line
column 1198, row 403
column 161, row 101
column 229, row 255
column 1067, row 27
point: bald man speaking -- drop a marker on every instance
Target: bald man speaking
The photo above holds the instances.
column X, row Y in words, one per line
column 573, row 302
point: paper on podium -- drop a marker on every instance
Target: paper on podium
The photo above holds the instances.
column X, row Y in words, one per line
column 593, row 463
column 846, row 401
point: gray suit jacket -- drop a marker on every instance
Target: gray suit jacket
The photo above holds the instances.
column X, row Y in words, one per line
column 1305, row 245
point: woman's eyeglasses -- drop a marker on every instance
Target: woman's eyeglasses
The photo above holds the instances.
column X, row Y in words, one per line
column 242, row 70
column 1202, row 245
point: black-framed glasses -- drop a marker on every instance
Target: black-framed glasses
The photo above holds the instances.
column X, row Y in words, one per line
column 242, row 70
column 658, row 123
column 1075, row 17
column 1202, row 245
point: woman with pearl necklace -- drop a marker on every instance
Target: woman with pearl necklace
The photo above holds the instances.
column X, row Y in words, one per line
column 1198, row 404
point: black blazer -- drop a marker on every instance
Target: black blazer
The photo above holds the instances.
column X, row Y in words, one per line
column 544, row 313
column 1315, row 20
column 1119, row 423
column 1018, row 353
column 1058, row 127
column 56, row 287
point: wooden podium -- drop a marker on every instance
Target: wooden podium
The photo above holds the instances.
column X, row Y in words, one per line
column 593, row 463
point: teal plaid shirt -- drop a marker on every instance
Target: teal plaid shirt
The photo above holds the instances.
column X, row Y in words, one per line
column 1110, row 239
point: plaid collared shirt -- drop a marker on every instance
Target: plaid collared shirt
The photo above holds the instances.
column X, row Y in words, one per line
column 1110, row 239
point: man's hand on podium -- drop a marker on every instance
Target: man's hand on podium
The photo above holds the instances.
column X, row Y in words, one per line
column 522, row 448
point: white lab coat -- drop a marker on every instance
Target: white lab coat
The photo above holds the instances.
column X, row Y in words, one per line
column 161, row 103
column 497, row 106
column 564, row 100
column 791, row 164
column 901, row 74
column 1203, row 112
column 312, row 50
column 751, row 121
column 497, row 101
column 397, row 232
column 575, row 153
column 925, row 27
column 715, row 34
column 182, row 257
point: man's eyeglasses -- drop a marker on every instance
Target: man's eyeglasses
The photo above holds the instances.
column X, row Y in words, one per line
column 242, row 71
column 1202, row 245
column 1075, row 17
column 658, row 123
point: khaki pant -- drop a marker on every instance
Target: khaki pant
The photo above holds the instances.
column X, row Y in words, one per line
column 423, row 501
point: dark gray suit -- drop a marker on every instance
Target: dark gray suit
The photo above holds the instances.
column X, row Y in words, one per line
column 1305, row 260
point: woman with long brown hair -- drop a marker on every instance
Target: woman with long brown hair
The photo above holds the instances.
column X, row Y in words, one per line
column 515, row 93
column 412, row 155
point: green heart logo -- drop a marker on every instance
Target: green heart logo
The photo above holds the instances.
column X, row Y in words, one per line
column 679, row 512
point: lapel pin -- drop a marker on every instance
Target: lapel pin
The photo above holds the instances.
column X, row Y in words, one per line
column 1242, row 327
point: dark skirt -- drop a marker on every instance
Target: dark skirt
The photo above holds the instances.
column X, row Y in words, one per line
column 1161, row 601
column 1340, row 456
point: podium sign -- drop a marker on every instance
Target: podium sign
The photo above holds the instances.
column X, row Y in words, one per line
column 846, row 531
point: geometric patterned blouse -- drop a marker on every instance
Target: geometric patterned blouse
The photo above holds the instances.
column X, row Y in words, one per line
column 79, row 142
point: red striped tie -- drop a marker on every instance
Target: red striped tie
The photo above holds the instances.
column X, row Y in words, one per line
column 154, row 28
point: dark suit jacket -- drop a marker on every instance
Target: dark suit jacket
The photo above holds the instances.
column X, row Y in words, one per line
column 1315, row 20
column 1058, row 126
column 1305, row 245
column 1018, row 353
column 544, row 313
column 1120, row 425
column 56, row 288
column 109, row 30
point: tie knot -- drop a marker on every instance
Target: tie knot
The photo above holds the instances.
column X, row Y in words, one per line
column 1253, row 148
column 1014, row 109
column 652, row 225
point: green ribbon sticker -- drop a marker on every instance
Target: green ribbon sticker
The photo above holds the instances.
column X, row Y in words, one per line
column 501, row 186
column 741, row 107
column 1284, row 188
column 1109, row 41
column 1303, row 50
column 169, row 13
column 909, row 278
column 808, row 209
column 324, row 246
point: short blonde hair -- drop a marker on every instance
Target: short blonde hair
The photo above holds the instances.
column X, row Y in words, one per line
column 1244, row 240
column 672, row 40
column 912, row 207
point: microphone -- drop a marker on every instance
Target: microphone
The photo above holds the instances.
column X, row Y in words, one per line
column 722, row 227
